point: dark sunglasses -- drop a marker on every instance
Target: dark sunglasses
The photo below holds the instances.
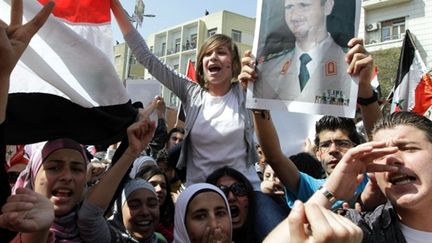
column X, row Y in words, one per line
column 238, row 189
column 13, row 176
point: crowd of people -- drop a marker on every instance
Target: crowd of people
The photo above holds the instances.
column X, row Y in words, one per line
column 211, row 181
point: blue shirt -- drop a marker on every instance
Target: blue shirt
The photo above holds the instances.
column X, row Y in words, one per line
column 309, row 185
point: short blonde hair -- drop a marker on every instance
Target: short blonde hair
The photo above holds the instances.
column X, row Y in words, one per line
column 212, row 44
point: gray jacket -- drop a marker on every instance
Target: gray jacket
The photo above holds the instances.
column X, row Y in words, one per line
column 190, row 94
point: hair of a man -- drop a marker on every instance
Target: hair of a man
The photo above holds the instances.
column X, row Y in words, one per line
column 405, row 118
column 333, row 123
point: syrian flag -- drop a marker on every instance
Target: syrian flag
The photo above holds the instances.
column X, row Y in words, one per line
column 190, row 73
column 375, row 82
column 65, row 84
column 409, row 93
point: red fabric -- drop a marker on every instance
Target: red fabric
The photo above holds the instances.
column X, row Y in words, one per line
column 190, row 71
column 16, row 156
column 82, row 11
column 423, row 95
column 167, row 232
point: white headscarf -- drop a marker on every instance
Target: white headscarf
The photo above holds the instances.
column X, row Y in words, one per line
column 180, row 232
column 139, row 163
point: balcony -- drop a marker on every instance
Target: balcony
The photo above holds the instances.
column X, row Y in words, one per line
column 375, row 4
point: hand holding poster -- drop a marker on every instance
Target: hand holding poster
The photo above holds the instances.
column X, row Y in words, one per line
column 300, row 54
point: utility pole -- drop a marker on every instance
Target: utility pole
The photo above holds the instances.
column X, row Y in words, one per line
column 136, row 18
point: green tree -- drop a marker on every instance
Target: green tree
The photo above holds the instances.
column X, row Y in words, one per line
column 387, row 61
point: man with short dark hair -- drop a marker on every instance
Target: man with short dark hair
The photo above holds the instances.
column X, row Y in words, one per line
column 334, row 137
column 400, row 156
column 175, row 136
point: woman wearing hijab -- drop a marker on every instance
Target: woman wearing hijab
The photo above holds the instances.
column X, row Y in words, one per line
column 202, row 215
column 135, row 220
column 57, row 170
column 138, row 213
column 161, row 184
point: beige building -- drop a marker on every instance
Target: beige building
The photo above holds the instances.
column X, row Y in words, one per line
column 177, row 44
column 383, row 24
column 132, row 70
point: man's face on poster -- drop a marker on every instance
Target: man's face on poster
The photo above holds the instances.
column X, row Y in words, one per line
column 305, row 17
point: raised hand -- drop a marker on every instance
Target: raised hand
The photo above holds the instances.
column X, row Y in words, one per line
column 354, row 164
column 15, row 37
column 140, row 134
column 248, row 69
column 359, row 60
column 313, row 223
column 27, row 211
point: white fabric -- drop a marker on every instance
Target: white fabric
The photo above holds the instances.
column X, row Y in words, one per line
column 61, row 62
column 139, row 163
column 415, row 236
column 180, row 231
column 218, row 122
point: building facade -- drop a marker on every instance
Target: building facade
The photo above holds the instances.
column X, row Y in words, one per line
column 383, row 24
column 177, row 44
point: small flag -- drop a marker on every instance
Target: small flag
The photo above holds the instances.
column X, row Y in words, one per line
column 190, row 71
column 410, row 93
column 375, row 82
column 191, row 74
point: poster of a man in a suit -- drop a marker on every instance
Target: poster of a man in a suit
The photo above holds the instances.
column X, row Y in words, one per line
column 300, row 55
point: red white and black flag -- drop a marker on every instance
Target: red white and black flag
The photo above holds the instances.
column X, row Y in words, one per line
column 411, row 92
column 65, row 84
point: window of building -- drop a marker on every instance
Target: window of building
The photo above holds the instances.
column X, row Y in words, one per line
column 392, row 29
column 193, row 40
column 211, row 32
column 177, row 45
column 151, row 49
column 118, row 59
column 163, row 48
column 173, row 99
column 236, row 35
column 176, row 67
column 132, row 60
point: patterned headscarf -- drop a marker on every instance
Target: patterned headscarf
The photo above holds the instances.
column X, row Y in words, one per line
column 64, row 229
column 180, row 231
column 38, row 154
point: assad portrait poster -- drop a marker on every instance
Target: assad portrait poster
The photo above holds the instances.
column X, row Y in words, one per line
column 300, row 48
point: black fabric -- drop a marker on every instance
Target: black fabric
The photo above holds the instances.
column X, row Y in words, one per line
column 34, row 117
column 5, row 190
column 406, row 58
column 159, row 138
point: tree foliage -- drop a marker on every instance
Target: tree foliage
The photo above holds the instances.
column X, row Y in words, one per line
column 387, row 61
